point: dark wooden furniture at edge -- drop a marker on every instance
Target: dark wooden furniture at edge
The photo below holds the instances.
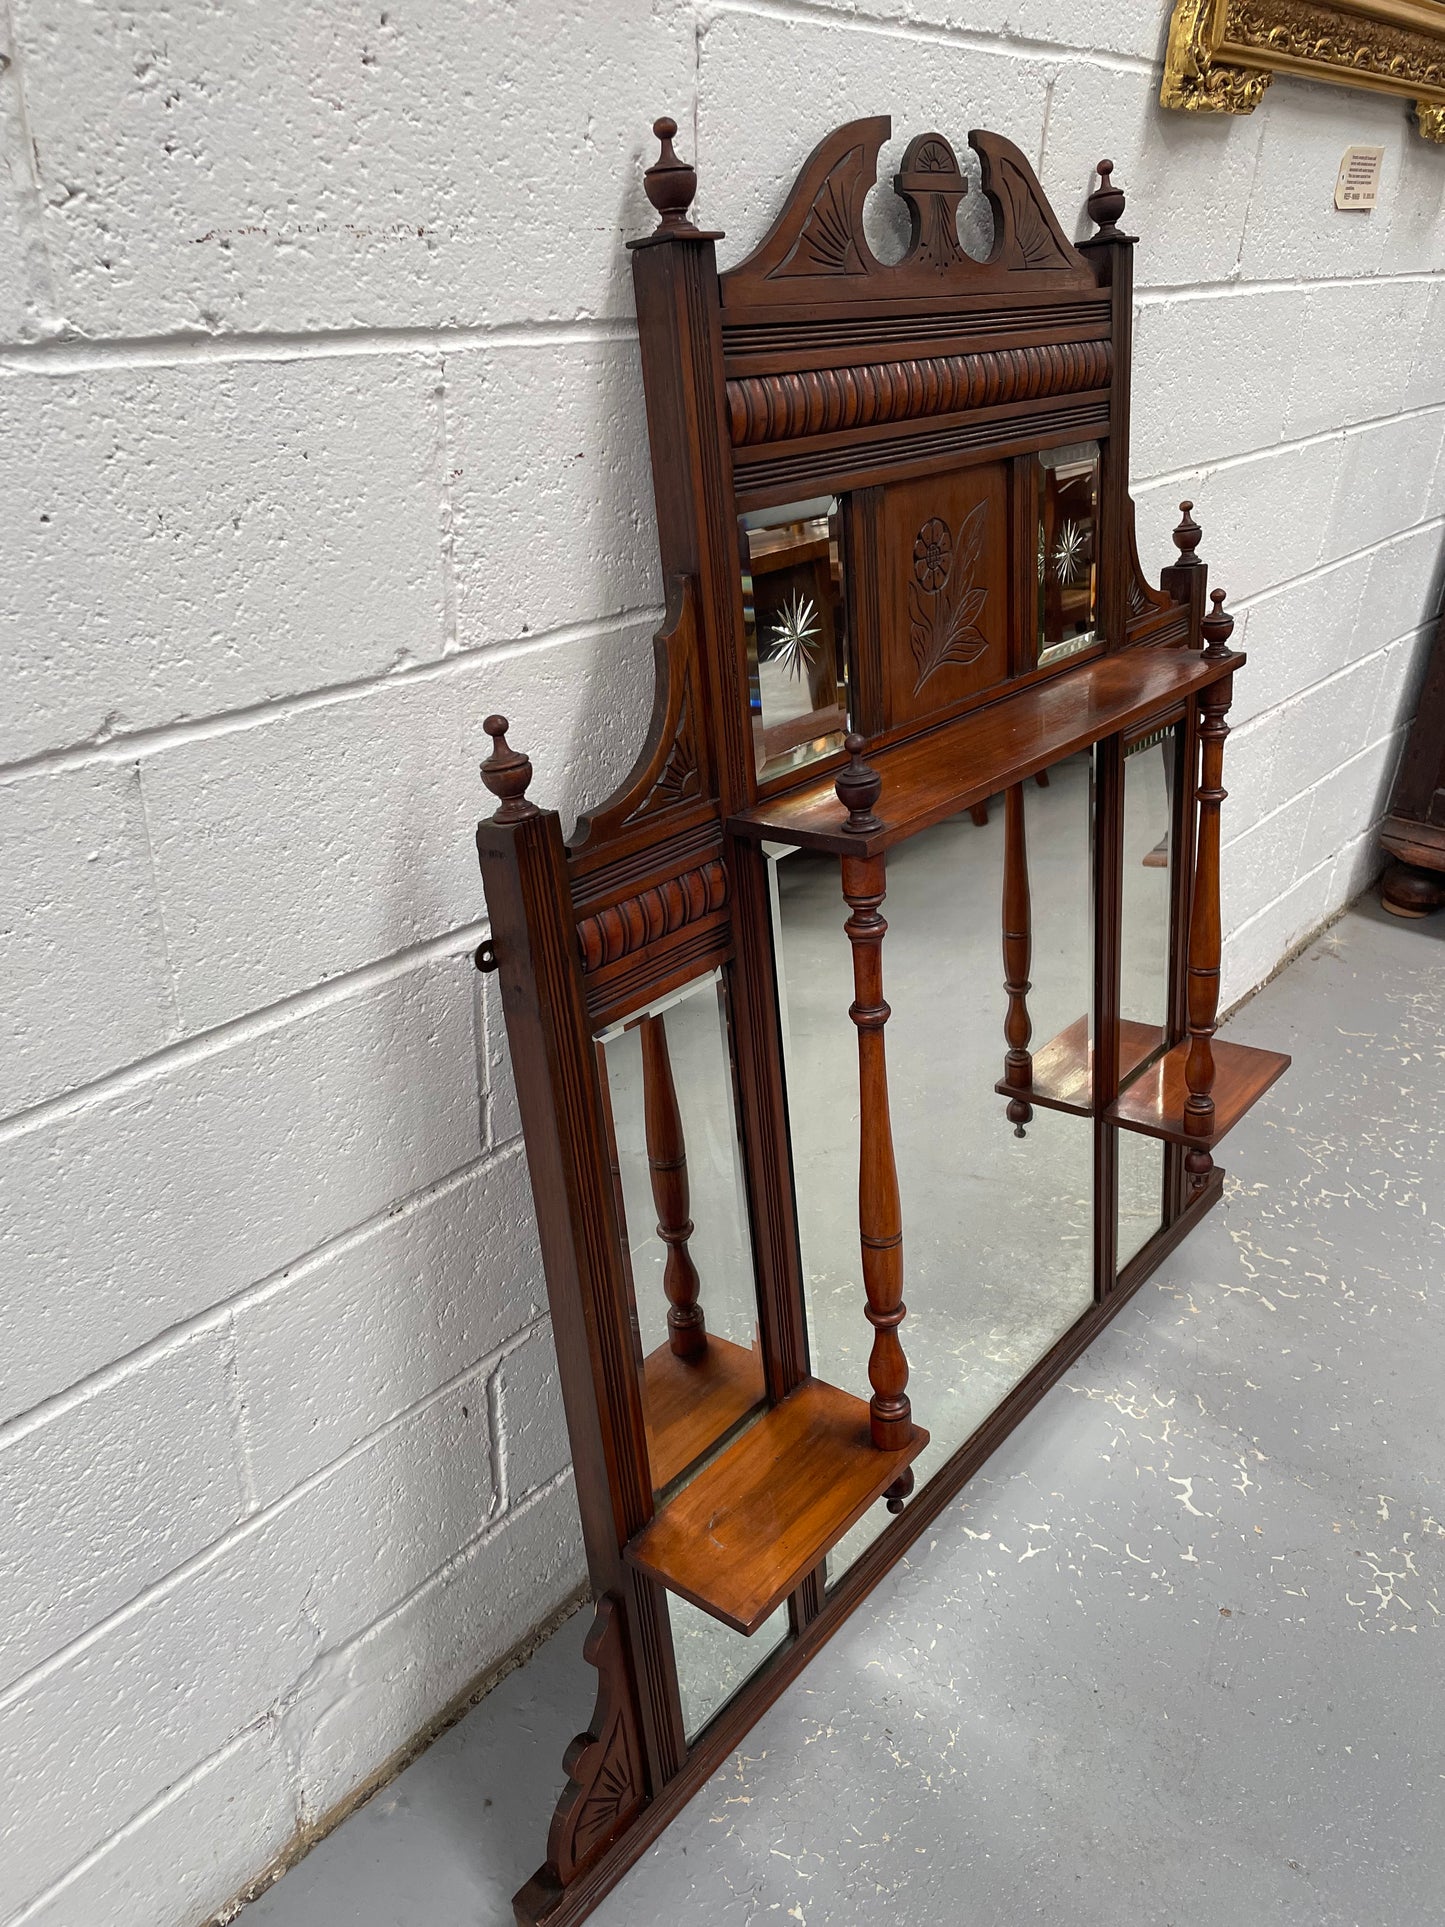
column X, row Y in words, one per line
column 917, row 413
column 1414, row 832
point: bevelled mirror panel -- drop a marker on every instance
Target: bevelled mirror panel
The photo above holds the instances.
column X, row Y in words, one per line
column 1152, row 769
column 678, row 1182
column 713, row 1661
column 1141, row 1193
column 793, row 613
column 997, row 1241
column 1068, row 558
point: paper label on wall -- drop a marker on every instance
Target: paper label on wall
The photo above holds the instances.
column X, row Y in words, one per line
column 1357, row 186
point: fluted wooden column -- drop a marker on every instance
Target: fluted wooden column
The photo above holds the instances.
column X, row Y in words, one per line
column 1018, row 1063
column 880, row 1215
column 1204, row 924
column 667, row 1167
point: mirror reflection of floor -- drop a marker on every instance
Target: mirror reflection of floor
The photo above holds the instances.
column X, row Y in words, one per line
column 997, row 1229
column 1159, row 1658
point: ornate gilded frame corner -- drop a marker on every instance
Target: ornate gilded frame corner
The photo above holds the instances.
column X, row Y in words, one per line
column 1222, row 54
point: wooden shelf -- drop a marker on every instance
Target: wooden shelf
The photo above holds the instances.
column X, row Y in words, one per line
column 750, row 1526
column 691, row 1405
column 1154, row 1102
column 949, row 769
column 1063, row 1071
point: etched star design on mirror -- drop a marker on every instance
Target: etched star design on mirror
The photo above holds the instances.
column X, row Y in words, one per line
column 795, row 639
column 1069, row 552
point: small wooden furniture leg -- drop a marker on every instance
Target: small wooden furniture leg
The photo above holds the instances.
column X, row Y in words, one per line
column 1204, row 929
column 667, row 1165
column 1408, row 891
column 880, row 1214
column 1018, row 1063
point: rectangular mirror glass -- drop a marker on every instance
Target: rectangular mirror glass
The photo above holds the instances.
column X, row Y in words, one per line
column 1141, row 1192
column 1150, row 767
column 677, row 1169
column 1068, row 507
column 713, row 1661
column 792, row 586
column 997, row 1229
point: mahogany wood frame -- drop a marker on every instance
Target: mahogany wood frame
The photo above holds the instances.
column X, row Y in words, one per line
column 812, row 367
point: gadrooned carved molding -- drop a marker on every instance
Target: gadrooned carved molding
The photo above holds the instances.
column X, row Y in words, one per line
column 622, row 928
column 819, row 401
column 1222, row 54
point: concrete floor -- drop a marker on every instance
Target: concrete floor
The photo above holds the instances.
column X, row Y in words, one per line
column 1175, row 1657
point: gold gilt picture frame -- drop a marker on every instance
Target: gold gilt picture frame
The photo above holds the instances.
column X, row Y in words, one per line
column 1222, row 54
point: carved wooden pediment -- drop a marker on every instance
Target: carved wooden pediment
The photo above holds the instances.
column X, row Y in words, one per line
column 816, row 251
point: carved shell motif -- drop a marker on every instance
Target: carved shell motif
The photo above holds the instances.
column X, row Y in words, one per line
column 944, row 601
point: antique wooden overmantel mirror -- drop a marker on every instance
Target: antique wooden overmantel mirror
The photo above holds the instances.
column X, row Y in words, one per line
column 897, row 535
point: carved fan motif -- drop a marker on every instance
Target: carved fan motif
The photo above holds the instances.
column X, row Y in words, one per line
column 679, row 781
column 604, row 1764
column 944, row 602
column 611, row 1793
column 826, row 243
column 934, row 156
column 670, row 771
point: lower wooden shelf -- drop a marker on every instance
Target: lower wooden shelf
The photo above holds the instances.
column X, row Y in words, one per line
column 1154, row 1103
column 741, row 1535
column 691, row 1404
column 1063, row 1070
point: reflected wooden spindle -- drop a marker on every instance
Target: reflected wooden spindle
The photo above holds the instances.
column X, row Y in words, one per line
column 667, row 1167
column 1204, row 922
column 880, row 1213
column 1018, row 1063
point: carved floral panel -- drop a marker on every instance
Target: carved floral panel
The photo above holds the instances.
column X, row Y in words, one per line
column 944, row 603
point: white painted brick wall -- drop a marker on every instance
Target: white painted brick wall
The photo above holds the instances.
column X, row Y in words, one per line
column 322, row 438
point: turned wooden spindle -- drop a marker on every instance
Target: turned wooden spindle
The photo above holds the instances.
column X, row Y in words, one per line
column 506, row 773
column 880, row 1213
column 670, row 183
column 1018, row 1063
column 667, row 1167
column 1204, row 924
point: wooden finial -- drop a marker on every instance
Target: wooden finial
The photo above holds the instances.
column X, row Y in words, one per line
column 1186, row 538
column 1217, row 627
column 670, row 183
column 1106, row 204
column 857, row 788
column 506, row 773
